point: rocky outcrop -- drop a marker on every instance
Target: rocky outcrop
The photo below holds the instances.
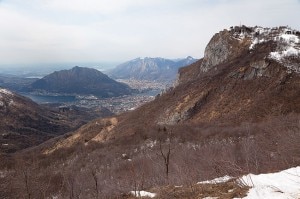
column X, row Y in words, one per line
column 222, row 47
column 230, row 44
column 243, row 70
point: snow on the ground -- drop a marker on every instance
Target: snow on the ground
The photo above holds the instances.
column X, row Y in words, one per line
column 290, row 38
column 291, row 47
column 281, row 185
column 143, row 194
column 216, row 180
column 290, row 51
column 4, row 91
column 288, row 42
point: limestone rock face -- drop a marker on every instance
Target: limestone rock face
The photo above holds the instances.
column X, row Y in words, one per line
column 222, row 47
column 217, row 51
column 226, row 45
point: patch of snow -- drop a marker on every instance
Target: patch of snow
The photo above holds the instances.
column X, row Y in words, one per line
column 290, row 38
column 290, row 50
column 3, row 174
column 279, row 55
column 149, row 144
column 256, row 41
column 217, row 180
column 281, row 185
column 143, row 194
column 288, row 44
column 6, row 92
column 11, row 102
column 178, row 186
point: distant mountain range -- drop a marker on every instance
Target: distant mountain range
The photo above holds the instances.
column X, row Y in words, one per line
column 153, row 69
column 79, row 80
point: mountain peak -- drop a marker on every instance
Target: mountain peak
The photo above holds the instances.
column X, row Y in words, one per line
column 151, row 69
column 77, row 68
column 284, row 43
column 80, row 80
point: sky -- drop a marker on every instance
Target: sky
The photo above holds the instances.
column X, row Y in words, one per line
column 44, row 32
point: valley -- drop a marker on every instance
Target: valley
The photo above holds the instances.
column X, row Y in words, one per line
column 149, row 99
column 234, row 112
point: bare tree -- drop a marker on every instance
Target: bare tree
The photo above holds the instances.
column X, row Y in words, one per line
column 96, row 183
column 165, row 154
column 25, row 175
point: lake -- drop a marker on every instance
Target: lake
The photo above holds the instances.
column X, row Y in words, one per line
column 41, row 99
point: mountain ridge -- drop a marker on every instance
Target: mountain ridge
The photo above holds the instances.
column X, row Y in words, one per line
column 25, row 123
column 153, row 69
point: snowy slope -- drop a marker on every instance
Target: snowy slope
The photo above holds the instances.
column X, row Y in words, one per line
column 280, row 185
column 6, row 97
column 287, row 42
column 143, row 194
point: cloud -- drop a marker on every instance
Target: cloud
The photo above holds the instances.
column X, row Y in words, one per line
column 62, row 31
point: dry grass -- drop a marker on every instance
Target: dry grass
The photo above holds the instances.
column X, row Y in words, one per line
column 226, row 190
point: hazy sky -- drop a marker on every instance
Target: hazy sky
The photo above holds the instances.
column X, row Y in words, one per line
column 58, row 31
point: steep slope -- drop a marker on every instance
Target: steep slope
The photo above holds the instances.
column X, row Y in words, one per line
column 242, row 82
column 24, row 123
column 153, row 69
column 246, row 74
column 79, row 80
column 237, row 81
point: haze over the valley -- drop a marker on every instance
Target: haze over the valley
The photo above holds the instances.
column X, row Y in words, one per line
column 43, row 33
